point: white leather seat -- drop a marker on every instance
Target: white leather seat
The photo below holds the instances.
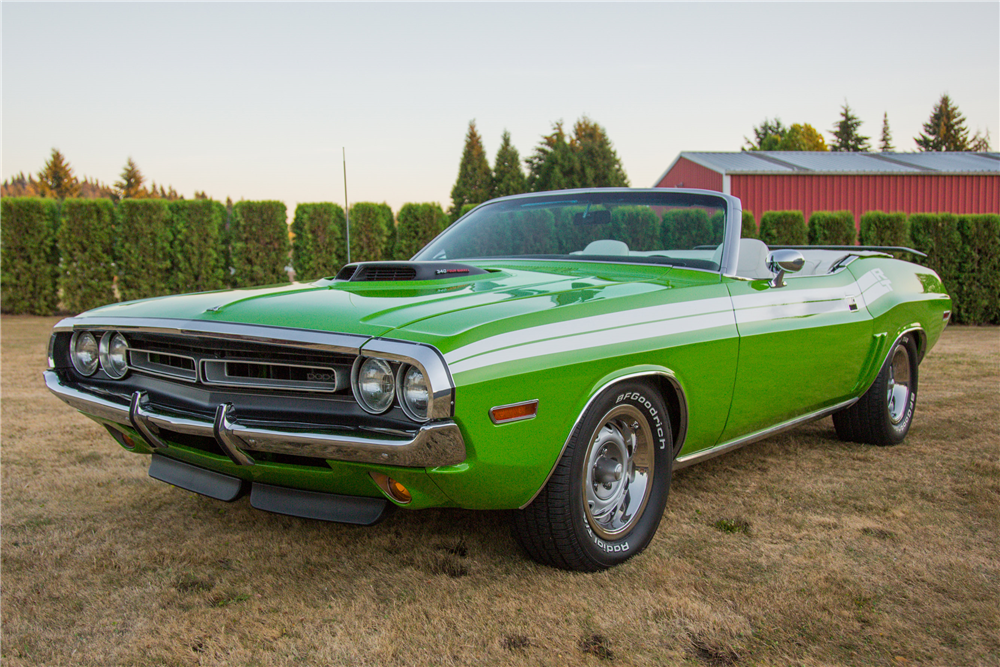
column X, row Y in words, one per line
column 752, row 262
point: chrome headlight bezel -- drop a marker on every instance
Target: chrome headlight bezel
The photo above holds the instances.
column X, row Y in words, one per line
column 402, row 377
column 107, row 352
column 79, row 338
column 356, row 378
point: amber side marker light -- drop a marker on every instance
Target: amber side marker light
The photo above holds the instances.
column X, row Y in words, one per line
column 504, row 414
column 392, row 488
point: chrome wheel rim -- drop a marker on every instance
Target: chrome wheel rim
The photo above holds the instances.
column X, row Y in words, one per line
column 618, row 472
column 898, row 390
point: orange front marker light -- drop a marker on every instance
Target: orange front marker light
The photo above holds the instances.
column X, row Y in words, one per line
column 504, row 414
column 392, row 488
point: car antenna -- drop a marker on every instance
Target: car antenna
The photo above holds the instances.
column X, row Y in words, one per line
column 347, row 213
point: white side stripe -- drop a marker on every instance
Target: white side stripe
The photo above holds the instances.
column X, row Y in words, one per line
column 588, row 324
column 594, row 339
column 665, row 320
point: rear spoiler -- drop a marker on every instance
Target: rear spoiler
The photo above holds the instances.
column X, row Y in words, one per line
column 853, row 248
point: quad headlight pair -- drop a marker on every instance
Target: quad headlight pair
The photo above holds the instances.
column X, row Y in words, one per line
column 110, row 353
column 376, row 383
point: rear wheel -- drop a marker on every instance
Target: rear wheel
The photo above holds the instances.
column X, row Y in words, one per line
column 884, row 414
column 605, row 498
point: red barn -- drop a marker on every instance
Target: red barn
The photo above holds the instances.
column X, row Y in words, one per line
column 856, row 182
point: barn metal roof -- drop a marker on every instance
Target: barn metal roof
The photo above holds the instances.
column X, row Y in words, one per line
column 816, row 162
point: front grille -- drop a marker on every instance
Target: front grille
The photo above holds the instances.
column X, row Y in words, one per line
column 239, row 363
column 164, row 364
column 265, row 375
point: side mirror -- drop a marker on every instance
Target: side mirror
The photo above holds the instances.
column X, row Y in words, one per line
column 780, row 262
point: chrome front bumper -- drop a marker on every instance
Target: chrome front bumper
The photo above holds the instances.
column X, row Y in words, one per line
column 434, row 444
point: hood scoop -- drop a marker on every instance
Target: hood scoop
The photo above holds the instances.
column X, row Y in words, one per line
column 400, row 271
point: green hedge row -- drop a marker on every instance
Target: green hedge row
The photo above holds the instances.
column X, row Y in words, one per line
column 29, row 269
column 965, row 251
column 258, row 235
column 416, row 226
column 318, row 247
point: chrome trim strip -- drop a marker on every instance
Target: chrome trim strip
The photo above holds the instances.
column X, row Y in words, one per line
column 270, row 335
column 441, row 402
column 434, row 444
column 515, row 419
column 696, row 457
column 681, row 430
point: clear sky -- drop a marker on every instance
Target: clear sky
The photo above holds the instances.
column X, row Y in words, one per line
column 255, row 101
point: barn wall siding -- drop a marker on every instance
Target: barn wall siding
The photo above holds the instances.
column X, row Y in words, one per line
column 687, row 174
column 910, row 194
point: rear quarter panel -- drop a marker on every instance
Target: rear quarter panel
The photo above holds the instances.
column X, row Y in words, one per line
column 900, row 296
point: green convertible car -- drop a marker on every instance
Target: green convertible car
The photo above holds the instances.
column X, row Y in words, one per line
column 555, row 354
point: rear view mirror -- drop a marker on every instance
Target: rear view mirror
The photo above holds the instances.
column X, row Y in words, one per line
column 592, row 218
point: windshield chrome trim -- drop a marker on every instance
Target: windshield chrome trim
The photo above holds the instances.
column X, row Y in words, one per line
column 731, row 234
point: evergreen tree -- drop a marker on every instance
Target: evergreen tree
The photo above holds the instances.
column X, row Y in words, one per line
column 130, row 185
column 767, row 136
column 56, row 179
column 847, row 139
column 597, row 162
column 508, row 177
column 475, row 180
column 885, row 143
column 945, row 130
column 553, row 165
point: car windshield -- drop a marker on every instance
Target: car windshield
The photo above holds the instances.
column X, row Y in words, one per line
column 671, row 228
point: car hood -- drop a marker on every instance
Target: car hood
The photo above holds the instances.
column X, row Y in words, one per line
column 432, row 309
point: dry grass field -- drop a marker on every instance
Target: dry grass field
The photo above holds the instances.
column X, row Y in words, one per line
column 796, row 550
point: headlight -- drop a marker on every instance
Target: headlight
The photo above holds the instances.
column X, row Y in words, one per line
column 114, row 354
column 84, row 352
column 413, row 392
column 374, row 385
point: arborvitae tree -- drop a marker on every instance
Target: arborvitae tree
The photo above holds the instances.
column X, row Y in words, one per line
column 885, row 143
column 259, row 243
column 56, row 179
column 417, row 225
column 130, row 185
column 597, row 162
column 945, row 130
column 198, row 252
column 145, row 239
column 847, row 139
column 475, row 180
column 318, row 248
column 553, row 165
column 508, row 177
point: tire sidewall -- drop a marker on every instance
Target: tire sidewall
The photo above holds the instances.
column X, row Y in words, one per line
column 644, row 398
column 897, row 432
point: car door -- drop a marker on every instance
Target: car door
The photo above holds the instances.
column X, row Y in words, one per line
column 803, row 347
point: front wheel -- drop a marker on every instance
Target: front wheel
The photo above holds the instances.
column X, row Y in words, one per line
column 605, row 498
column 884, row 414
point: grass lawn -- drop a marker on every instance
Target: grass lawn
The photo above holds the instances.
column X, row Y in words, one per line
column 798, row 549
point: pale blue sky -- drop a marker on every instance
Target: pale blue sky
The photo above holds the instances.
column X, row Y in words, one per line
column 255, row 101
